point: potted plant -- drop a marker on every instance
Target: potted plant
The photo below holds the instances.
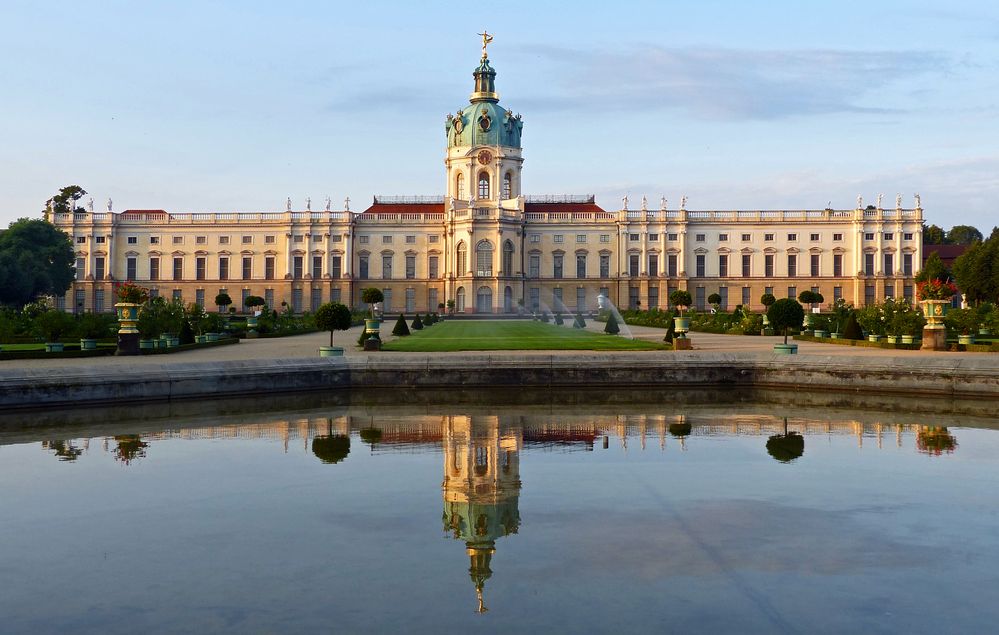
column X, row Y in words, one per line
column 253, row 302
column 872, row 319
column 784, row 314
column 332, row 316
column 841, row 311
column 985, row 312
column 810, row 298
column 222, row 301
column 372, row 296
column 965, row 322
column 450, row 307
column 52, row 324
column 935, row 297
column 196, row 317
column 767, row 300
column 681, row 299
column 440, row 309
column 92, row 327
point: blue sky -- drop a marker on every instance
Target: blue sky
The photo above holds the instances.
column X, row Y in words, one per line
column 201, row 106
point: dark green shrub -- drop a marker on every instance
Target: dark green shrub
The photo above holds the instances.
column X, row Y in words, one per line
column 612, row 327
column 784, row 314
column 545, row 317
column 681, row 299
column 670, row 330
column 767, row 299
column 714, row 299
column 401, row 330
column 578, row 322
column 558, row 319
column 333, row 316
column 186, row 334
column 223, row 300
column 418, row 323
column 53, row 324
column 851, row 330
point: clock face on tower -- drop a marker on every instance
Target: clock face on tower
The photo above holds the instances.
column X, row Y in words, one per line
column 485, row 157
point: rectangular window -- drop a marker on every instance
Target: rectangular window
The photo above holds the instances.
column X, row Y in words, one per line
column 154, row 268
column 747, row 237
column 557, row 266
column 432, row 299
column 906, row 236
column 81, row 240
column 792, row 237
column 80, row 299
column 386, row 267
column 604, row 265
column 410, row 267
column 558, row 238
column 223, row 240
column 792, row 292
column 889, row 236
column 813, row 237
column 672, row 237
column 722, row 238
column 269, row 270
column 534, row 266
column 316, row 300
column 723, row 292
column 653, row 297
column 247, row 240
column 907, row 292
column 410, row 300
column 699, row 238
column 768, row 290
column 363, row 240
column 247, row 267
column 336, row 295
column 268, row 240
column 889, row 262
column 634, row 237
column 535, row 238
column 296, row 301
column 201, row 240
column 768, row 237
column 746, row 298
column 178, row 268
column 837, row 237
column 671, row 265
column 297, row 267
column 723, row 266
column 269, row 297
column 814, row 258
column 699, row 267
column 317, row 267
column 483, row 262
column 868, row 264
column 605, row 238
column 199, row 297
column 337, row 271
column 99, row 268
column 889, row 290
column 178, row 240
column 81, row 268
column 699, row 298
column 100, row 240
column 362, row 267
column 535, row 299
column 98, row 300
column 869, row 236
column 633, row 266
column 432, row 266
column 298, row 239
column 224, row 268
column 870, row 294
column 838, row 265
column 580, row 298
column 580, row 238
column 653, row 264
column 792, row 265
column 653, row 238
column 633, row 298
column 132, row 240
column 130, row 267
column 411, row 240
column 433, row 239
column 580, row 265
column 386, row 240
column 244, row 294
column 557, row 298
column 837, row 293
column 747, row 266
column 768, row 265
column 154, row 240
column 906, row 264
column 200, row 268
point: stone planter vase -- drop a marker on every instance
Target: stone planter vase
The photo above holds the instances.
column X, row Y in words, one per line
column 821, row 333
column 983, row 331
column 893, row 339
column 873, row 338
column 331, row 351
column 147, row 345
column 88, row 344
column 965, row 339
column 212, row 337
column 907, row 339
column 935, row 310
column 834, row 336
column 768, row 331
column 371, row 325
column 200, row 339
column 681, row 325
column 786, row 349
column 174, row 342
column 128, row 317
column 53, row 347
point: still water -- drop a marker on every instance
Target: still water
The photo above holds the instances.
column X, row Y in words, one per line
column 575, row 514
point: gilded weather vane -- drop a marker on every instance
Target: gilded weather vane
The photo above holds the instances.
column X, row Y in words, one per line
column 486, row 39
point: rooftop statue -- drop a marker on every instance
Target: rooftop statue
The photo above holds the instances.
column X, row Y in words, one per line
column 662, row 203
column 898, row 201
column 880, row 196
column 918, row 204
column 308, row 203
column 624, row 202
column 860, row 202
column 486, row 40
column 288, row 203
column 109, row 204
column 683, row 202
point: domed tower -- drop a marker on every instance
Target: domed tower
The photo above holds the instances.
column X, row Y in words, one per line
column 481, row 489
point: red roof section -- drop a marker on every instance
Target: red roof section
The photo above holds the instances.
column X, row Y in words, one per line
column 562, row 207
column 405, row 208
column 948, row 253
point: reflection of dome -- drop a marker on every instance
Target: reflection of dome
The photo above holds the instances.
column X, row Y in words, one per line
column 484, row 121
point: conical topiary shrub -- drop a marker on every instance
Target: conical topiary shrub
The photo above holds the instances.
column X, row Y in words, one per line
column 612, row 326
column 851, row 330
column 579, row 322
column 671, row 329
column 417, row 323
column 401, row 330
column 558, row 319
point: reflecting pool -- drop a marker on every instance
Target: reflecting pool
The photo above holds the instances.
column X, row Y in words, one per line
column 698, row 512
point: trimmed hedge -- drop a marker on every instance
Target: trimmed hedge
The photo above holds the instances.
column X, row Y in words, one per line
column 866, row 343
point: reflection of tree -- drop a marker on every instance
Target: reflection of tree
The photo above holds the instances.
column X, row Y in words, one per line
column 935, row 440
column 65, row 450
column 130, row 447
column 680, row 429
column 786, row 447
column 371, row 435
column 331, row 448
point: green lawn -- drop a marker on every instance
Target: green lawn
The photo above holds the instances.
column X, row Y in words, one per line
column 510, row 335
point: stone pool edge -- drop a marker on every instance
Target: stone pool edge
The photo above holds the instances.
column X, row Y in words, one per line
column 27, row 388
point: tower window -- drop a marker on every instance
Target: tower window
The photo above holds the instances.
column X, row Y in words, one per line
column 483, row 185
column 508, row 186
column 460, row 186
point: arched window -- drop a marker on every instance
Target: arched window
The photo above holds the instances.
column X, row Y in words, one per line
column 483, row 185
column 484, row 258
column 507, row 258
column 459, row 300
column 508, row 185
column 459, row 186
column 462, row 262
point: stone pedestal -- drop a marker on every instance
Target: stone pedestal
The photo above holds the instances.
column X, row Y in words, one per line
column 682, row 344
column 372, row 344
column 934, row 339
column 128, row 344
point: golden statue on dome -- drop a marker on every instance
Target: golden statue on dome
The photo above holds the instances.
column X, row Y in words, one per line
column 486, row 40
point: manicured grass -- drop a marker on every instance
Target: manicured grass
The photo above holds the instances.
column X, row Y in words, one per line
column 511, row 335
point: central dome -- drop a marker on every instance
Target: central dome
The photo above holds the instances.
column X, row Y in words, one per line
column 484, row 121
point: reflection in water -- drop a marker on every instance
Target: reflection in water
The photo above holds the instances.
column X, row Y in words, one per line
column 331, row 448
column 130, row 447
column 786, row 447
column 64, row 450
column 935, row 440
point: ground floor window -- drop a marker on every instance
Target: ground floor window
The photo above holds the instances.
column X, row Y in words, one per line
column 580, row 298
column 653, row 297
column 557, row 304
column 746, row 297
column 317, row 298
column 633, row 298
column 535, row 299
column 336, row 295
column 699, row 298
column 269, row 298
column 869, row 294
column 723, row 292
column 387, row 302
column 484, row 300
column 410, row 300
column 432, row 300
column 296, row 300
column 199, row 298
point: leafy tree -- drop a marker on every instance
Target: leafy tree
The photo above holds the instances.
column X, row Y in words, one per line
column 714, row 299
column 681, row 299
column 784, row 314
column 53, row 324
column 786, row 447
column 977, row 271
column 65, row 200
column 401, row 330
column 253, row 301
column 933, row 269
column 333, row 316
column 372, row 296
column 223, row 300
column 612, row 327
column 767, row 299
column 964, row 235
column 934, row 235
column 35, row 259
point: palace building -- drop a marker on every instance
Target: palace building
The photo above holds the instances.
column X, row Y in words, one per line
column 490, row 248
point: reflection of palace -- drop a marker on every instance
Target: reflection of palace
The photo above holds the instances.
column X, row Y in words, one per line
column 481, row 488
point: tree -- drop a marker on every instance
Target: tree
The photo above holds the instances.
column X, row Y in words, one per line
column 670, row 329
column 977, row 271
column 612, row 328
column 333, row 316
column 934, row 235
column 964, row 235
column 714, row 300
column 767, row 300
column 222, row 300
column 680, row 299
column 933, row 269
column 64, row 201
column 35, row 259
column 401, row 330
column 372, row 296
column 253, row 301
column 785, row 313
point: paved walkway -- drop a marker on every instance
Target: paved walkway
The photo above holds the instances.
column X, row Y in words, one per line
column 300, row 346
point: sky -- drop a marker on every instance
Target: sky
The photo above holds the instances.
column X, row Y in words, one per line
column 215, row 106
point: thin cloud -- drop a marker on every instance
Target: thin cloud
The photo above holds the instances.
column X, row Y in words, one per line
column 728, row 84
